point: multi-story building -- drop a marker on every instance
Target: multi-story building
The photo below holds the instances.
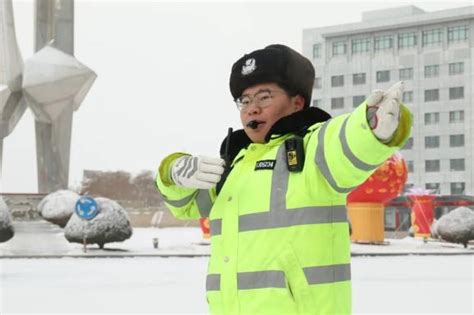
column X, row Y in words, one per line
column 433, row 52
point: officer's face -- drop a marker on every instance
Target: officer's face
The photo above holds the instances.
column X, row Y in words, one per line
column 265, row 104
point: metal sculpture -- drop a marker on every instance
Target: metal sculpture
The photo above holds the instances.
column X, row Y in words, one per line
column 52, row 84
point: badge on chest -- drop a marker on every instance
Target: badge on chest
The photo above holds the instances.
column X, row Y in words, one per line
column 265, row 165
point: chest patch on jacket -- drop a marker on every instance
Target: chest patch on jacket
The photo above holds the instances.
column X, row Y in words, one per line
column 265, row 165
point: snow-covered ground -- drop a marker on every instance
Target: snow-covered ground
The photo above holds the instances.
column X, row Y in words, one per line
column 41, row 238
column 138, row 280
column 381, row 285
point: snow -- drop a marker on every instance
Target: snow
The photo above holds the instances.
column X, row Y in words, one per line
column 58, row 206
column 457, row 225
column 133, row 277
column 111, row 224
column 381, row 285
column 6, row 228
column 5, row 219
column 410, row 245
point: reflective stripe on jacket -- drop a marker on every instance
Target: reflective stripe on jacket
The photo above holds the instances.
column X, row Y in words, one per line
column 280, row 240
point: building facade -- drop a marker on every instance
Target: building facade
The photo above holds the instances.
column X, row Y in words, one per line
column 433, row 53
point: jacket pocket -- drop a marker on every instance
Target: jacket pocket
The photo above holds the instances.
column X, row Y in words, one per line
column 297, row 284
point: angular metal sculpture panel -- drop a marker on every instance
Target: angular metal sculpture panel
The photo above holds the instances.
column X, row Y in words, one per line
column 54, row 81
column 12, row 106
column 53, row 85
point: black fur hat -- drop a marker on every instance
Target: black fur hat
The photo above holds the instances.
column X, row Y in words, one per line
column 274, row 64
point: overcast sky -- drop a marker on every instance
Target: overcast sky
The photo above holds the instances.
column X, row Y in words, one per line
column 163, row 70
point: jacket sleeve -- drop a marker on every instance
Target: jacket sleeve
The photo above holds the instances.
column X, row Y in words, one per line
column 184, row 203
column 346, row 152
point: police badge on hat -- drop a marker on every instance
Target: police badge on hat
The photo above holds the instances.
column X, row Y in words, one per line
column 249, row 66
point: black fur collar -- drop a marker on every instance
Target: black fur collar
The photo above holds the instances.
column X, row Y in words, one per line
column 294, row 123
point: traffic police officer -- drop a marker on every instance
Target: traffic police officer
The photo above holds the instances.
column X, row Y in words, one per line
column 279, row 230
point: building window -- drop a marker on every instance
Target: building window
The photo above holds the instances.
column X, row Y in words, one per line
column 357, row 100
column 458, row 188
column 383, row 42
column 410, row 167
column 409, row 144
column 317, row 83
column 431, row 142
column 456, row 165
column 337, row 80
column 337, row 102
column 456, row 68
column 338, row 48
column 456, row 141
column 361, row 45
column 317, row 51
column 432, row 166
column 408, row 187
column 317, row 103
column 406, row 40
column 358, row 78
column 407, row 97
column 431, row 118
column 431, row 71
column 383, row 76
column 431, row 95
column 433, row 187
column 456, row 116
column 406, row 74
column 456, row 93
column 458, row 33
column 432, row 37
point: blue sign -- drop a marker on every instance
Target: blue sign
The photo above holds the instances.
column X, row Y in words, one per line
column 87, row 208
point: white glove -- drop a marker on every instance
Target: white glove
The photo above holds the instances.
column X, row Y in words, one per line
column 383, row 111
column 200, row 172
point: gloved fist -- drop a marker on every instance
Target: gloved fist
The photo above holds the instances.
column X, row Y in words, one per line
column 200, row 172
column 383, row 111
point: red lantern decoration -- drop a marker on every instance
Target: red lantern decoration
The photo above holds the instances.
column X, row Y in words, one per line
column 422, row 214
column 205, row 228
column 366, row 202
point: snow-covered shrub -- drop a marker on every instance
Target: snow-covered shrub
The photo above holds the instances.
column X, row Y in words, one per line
column 58, row 206
column 111, row 224
column 457, row 226
column 6, row 227
column 434, row 229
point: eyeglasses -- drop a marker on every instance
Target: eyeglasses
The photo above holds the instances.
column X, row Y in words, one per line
column 262, row 98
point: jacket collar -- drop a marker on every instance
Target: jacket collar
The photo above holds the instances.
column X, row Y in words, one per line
column 296, row 123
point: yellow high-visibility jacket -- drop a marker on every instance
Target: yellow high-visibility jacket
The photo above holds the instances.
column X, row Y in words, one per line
column 280, row 240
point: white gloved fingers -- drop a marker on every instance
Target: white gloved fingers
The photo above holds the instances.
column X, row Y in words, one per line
column 395, row 91
column 391, row 108
column 212, row 160
column 197, row 172
column 384, row 114
column 203, row 185
column 211, row 168
column 375, row 97
column 208, row 178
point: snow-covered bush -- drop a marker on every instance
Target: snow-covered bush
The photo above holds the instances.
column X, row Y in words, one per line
column 6, row 227
column 58, row 206
column 434, row 229
column 111, row 224
column 457, row 226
